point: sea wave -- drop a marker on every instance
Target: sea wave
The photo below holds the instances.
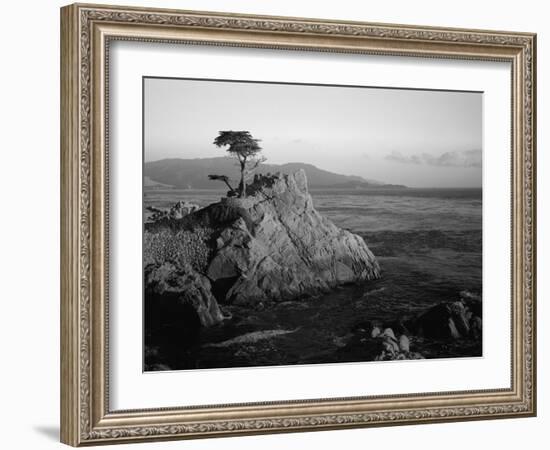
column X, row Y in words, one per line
column 250, row 338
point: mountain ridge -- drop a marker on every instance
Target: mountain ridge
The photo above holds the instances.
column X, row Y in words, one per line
column 193, row 174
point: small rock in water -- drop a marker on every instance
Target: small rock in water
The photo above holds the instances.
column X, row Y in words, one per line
column 389, row 333
column 340, row 341
column 404, row 343
column 390, row 346
column 467, row 295
column 446, row 320
column 458, row 312
column 452, row 329
column 475, row 326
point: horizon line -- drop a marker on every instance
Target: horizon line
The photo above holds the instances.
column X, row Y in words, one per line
column 366, row 179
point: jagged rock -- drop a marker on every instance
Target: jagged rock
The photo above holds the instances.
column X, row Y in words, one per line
column 475, row 327
column 388, row 332
column 177, row 211
column 182, row 209
column 152, row 209
column 404, row 343
column 182, row 286
column 389, row 345
column 376, row 340
column 276, row 246
column 385, row 347
column 271, row 246
column 154, row 214
column 460, row 317
column 447, row 320
column 453, row 331
column 367, row 342
column 472, row 302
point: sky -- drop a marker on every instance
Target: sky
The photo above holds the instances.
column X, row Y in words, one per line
column 417, row 138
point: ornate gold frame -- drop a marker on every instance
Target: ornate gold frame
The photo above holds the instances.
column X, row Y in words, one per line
column 86, row 31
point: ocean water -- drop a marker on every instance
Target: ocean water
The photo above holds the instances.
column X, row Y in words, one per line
column 428, row 243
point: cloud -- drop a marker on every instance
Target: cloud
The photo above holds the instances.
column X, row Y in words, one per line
column 400, row 158
column 465, row 158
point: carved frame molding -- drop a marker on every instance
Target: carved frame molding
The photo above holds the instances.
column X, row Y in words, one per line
column 86, row 31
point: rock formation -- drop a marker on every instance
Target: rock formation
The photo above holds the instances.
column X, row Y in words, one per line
column 184, row 286
column 270, row 246
column 450, row 320
column 377, row 343
column 176, row 211
column 182, row 209
column 276, row 246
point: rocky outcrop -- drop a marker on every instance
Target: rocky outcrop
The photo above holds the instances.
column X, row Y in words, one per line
column 271, row 246
column 171, row 288
column 278, row 247
column 182, row 209
column 454, row 324
column 177, row 211
column 377, row 343
column 450, row 320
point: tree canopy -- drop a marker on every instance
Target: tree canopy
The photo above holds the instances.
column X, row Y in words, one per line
column 239, row 143
column 246, row 149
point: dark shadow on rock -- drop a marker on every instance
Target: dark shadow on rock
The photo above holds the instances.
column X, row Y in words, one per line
column 173, row 327
column 221, row 286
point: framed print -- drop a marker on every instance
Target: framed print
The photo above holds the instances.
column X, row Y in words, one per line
column 276, row 224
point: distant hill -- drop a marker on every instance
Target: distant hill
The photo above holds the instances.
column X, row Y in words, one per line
column 147, row 182
column 193, row 174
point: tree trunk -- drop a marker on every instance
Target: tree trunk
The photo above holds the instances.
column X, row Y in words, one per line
column 228, row 185
column 242, row 184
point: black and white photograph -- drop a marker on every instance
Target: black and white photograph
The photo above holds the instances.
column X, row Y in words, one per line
column 293, row 224
column 266, row 225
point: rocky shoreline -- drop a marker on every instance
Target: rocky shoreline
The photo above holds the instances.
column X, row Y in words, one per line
column 254, row 338
column 446, row 323
column 417, row 311
column 271, row 246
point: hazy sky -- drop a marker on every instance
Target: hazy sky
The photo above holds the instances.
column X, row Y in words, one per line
column 412, row 137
